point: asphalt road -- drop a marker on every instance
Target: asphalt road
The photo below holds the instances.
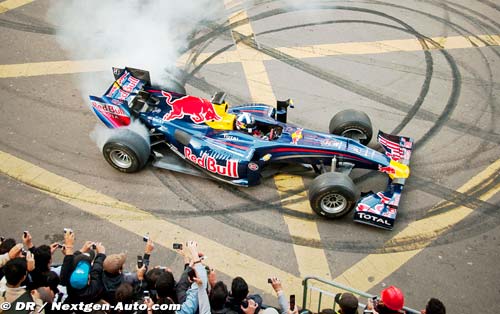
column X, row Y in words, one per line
column 444, row 93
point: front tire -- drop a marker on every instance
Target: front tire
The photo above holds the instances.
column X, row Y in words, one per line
column 352, row 124
column 333, row 195
column 126, row 151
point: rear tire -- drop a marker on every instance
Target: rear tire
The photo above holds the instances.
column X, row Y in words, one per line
column 126, row 151
column 333, row 195
column 352, row 124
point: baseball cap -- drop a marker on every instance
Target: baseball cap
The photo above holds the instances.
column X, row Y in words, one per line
column 80, row 275
column 347, row 302
column 113, row 263
column 393, row 298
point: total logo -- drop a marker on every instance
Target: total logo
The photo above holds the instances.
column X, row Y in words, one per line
column 368, row 217
column 210, row 163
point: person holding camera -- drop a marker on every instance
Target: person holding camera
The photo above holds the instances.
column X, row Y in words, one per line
column 81, row 271
column 391, row 302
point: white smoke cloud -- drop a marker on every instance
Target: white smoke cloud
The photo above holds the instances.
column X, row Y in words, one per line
column 146, row 34
column 100, row 134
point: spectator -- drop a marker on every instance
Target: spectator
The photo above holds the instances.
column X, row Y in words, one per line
column 391, row 302
column 239, row 296
column 113, row 276
column 165, row 287
column 347, row 302
column 8, row 250
column 218, row 298
column 82, row 278
column 15, row 272
column 434, row 306
column 282, row 300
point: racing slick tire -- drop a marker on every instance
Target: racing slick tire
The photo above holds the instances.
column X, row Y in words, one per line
column 333, row 194
column 352, row 124
column 126, row 151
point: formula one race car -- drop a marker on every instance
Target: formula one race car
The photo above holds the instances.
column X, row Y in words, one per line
column 236, row 145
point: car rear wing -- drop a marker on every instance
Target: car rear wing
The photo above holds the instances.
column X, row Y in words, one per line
column 380, row 209
column 113, row 107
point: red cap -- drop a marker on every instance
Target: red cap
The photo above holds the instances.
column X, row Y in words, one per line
column 393, row 298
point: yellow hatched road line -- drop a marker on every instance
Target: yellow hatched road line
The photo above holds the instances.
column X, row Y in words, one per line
column 374, row 268
column 135, row 220
column 311, row 261
column 253, row 60
column 360, row 48
column 255, row 70
column 12, row 4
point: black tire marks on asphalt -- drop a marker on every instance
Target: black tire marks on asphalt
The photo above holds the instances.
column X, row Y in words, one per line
column 439, row 121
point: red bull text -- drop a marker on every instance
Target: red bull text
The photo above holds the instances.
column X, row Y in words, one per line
column 210, row 163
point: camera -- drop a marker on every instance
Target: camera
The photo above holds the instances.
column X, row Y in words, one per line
column 177, row 246
column 191, row 274
column 2, row 239
column 146, row 295
column 269, row 280
column 140, row 262
column 25, row 234
column 60, row 246
column 66, row 230
column 93, row 246
column 292, row 301
column 145, row 238
column 24, row 252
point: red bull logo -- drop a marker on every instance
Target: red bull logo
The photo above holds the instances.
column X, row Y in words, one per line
column 296, row 136
column 199, row 109
column 122, row 87
column 388, row 169
column 113, row 116
column 209, row 163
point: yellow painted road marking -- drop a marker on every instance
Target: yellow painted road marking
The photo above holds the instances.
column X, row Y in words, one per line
column 255, row 70
column 311, row 261
column 135, row 220
column 12, row 4
column 253, row 59
column 359, row 48
column 53, row 67
column 374, row 268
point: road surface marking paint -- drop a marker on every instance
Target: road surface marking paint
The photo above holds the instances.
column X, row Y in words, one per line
column 133, row 219
column 310, row 261
column 251, row 61
column 53, row 67
column 359, row 48
column 374, row 268
column 12, row 4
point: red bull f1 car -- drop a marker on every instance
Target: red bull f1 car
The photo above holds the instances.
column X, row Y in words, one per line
column 205, row 137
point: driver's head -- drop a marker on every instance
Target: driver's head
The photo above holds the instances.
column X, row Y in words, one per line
column 245, row 122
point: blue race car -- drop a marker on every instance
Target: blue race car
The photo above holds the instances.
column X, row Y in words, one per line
column 238, row 145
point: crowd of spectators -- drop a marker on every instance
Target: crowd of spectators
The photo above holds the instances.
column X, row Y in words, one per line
column 89, row 276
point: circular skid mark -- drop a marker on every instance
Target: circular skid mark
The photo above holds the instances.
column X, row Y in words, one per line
column 208, row 206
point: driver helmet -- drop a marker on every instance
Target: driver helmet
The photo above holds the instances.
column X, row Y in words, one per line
column 245, row 122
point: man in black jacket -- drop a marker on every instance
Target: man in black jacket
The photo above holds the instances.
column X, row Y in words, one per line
column 82, row 278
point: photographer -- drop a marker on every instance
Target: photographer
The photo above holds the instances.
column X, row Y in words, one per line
column 391, row 302
column 80, row 272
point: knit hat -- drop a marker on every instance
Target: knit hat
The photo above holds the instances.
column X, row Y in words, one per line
column 347, row 302
column 114, row 263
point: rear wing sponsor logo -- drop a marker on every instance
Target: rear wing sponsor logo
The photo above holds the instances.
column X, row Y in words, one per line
column 124, row 86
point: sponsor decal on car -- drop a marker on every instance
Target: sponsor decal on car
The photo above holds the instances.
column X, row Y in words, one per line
column 210, row 163
column 199, row 109
column 253, row 166
column 297, row 135
column 388, row 169
column 374, row 219
column 331, row 143
column 123, row 86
